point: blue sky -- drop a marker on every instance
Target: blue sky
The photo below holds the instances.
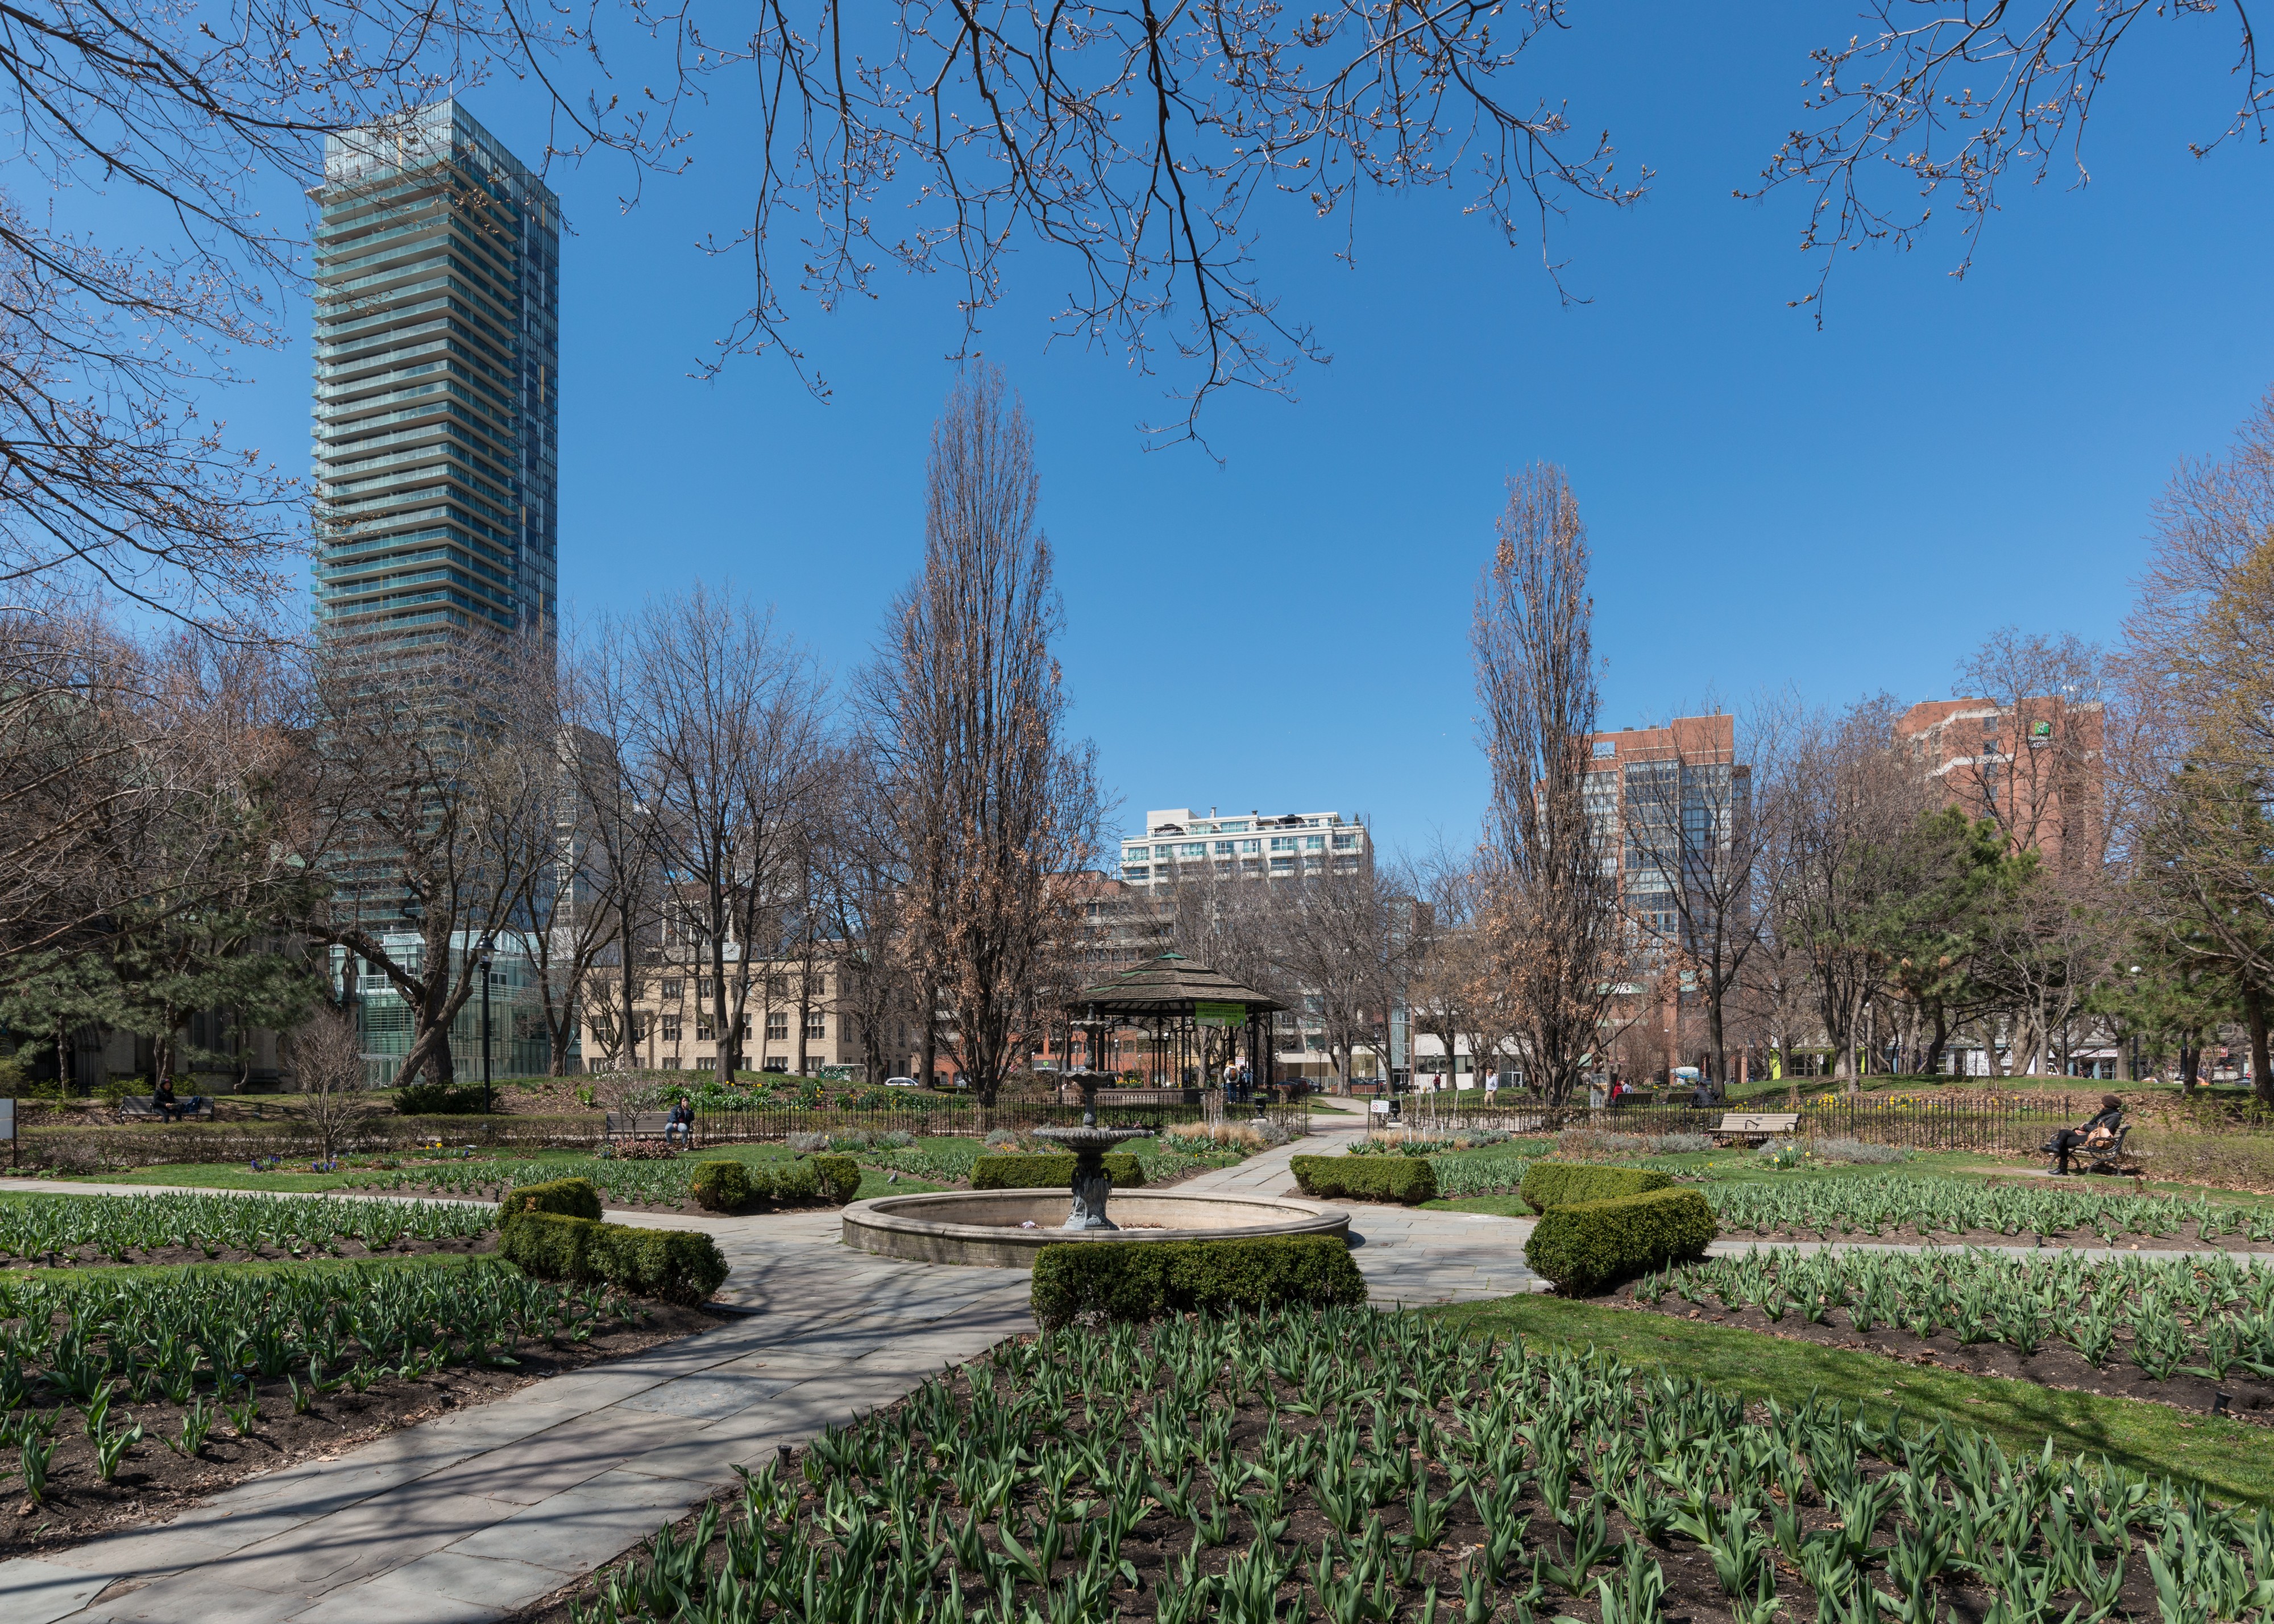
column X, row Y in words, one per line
column 1838, row 510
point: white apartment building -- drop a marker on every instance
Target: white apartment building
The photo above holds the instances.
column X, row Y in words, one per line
column 1178, row 842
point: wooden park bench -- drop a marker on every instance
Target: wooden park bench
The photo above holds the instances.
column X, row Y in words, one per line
column 638, row 1125
column 2109, row 1158
column 1755, row 1127
column 137, row 1107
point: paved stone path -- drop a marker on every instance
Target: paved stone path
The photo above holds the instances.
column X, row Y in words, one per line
column 1409, row 1256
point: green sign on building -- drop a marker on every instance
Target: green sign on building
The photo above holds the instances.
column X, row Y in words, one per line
column 1207, row 1014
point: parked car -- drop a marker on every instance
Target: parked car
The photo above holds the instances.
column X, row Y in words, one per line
column 902, row 1082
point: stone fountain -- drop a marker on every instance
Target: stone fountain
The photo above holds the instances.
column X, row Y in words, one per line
column 1092, row 1184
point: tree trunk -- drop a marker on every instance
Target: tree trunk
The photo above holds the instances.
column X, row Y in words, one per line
column 1940, row 1042
column 2254, row 1014
column 929, row 1015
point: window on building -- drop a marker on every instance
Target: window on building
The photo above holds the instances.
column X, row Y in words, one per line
column 817, row 1024
column 1343, row 841
column 705, row 1032
column 674, row 989
column 704, row 1063
column 1346, row 865
column 777, row 1063
column 1283, row 843
column 777, row 1025
column 1136, row 871
column 1225, row 849
column 1314, row 843
column 1283, row 865
column 671, row 1027
column 1251, row 846
column 1192, row 848
column 671, row 1063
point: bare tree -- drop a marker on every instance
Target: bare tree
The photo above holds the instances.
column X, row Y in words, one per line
column 601, row 701
column 730, row 740
column 327, row 1064
column 1957, row 94
column 1850, row 796
column 1340, row 941
column 994, row 806
column 432, row 783
column 1703, row 854
column 1552, row 909
column 116, row 474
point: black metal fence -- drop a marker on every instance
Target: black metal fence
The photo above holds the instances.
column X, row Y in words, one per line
column 86, row 1146
column 1970, row 1123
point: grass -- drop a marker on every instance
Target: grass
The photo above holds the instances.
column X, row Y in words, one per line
column 2228, row 1458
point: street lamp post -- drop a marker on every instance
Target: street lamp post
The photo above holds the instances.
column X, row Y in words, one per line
column 485, row 1032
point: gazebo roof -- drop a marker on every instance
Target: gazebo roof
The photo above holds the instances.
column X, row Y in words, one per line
column 1170, row 985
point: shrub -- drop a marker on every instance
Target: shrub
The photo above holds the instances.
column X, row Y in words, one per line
column 1585, row 1245
column 840, row 1176
column 1559, row 1184
column 569, row 1198
column 1000, row 1137
column 806, row 1144
column 677, row 1266
column 1143, row 1281
column 437, row 1100
column 1404, row 1179
column 719, row 1186
column 1049, row 1170
column 724, row 1186
column 1858, row 1150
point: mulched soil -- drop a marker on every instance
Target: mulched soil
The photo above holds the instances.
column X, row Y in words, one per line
column 156, row 1483
column 92, row 1256
column 1158, row 1542
column 2183, row 1238
column 2055, row 1365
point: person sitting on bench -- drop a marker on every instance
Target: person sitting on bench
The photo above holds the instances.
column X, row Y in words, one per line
column 162, row 1100
column 2100, row 1131
column 680, row 1123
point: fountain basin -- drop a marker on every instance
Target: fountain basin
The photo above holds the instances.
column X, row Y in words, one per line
column 981, row 1226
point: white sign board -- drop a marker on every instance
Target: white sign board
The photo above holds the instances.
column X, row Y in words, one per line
column 1380, row 1107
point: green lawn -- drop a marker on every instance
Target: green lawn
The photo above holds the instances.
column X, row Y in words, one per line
column 2229, row 1458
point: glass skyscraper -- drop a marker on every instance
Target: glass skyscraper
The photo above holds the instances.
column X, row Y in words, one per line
column 437, row 271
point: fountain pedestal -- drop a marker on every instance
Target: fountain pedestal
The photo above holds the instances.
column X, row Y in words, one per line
column 1092, row 1184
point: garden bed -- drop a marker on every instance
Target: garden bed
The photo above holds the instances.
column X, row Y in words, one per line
column 2168, row 1330
column 292, row 1419
column 1347, row 1464
column 170, row 1227
column 2248, row 1397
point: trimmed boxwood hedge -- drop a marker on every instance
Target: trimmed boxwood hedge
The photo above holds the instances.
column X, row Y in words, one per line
column 1560, row 1184
column 1049, row 1170
column 678, row 1265
column 1146, row 1280
column 1406, row 1179
column 570, row 1197
column 1589, row 1244
column 725, row 1187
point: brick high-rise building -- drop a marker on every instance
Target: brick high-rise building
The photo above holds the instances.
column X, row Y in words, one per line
column 2034, row 764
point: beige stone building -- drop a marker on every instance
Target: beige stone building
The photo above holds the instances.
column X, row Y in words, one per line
column 788, row 1023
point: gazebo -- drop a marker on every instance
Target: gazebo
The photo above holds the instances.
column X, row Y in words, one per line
column 1196, row 1017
